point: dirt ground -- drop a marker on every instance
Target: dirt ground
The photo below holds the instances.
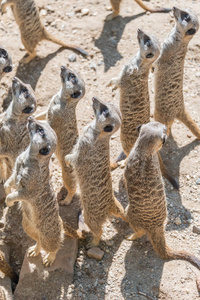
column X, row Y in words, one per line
column 126, row 266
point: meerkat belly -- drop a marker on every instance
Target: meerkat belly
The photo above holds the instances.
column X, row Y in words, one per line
column 168, row 90
column 66, row 140
column 135, row 109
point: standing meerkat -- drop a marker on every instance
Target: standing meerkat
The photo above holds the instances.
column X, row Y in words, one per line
column 14, row 137
column 91, row 161
column 61, row 115
column 146, row 211
column 134, row 95
column 5, row 62
column 169, row 68
column 34, row 190
column 116, row 6
column 32, row 30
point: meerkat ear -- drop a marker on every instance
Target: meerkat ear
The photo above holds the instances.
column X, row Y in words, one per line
column 138, row 128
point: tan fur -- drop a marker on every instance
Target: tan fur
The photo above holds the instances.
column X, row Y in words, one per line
column 116, row 7
column 5, row 62
column 6, row 269
column 41, row 219
column 32, row 31
column 91, row 161
column 147, row 211
column 169, row 102
column 61, row 115
column 14, row 137
column 134, row 95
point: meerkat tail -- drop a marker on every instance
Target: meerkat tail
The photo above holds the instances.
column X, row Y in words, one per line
column 166, row 174
column 187, row 120
column 145, row 7
column 71, row 231
column 6, row 269
column 49, row 37
column 157, row 237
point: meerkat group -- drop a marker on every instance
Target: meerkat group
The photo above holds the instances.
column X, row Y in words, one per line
column 27, row 143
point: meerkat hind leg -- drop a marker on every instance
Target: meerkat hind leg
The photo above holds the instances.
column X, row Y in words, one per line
column 187, row 120
column 118, row 210
column 27, row 59
column 34, row 250
column 136, row 235
column 115, row 6
column 49, row 259
column 96, row 239
column 68, row 199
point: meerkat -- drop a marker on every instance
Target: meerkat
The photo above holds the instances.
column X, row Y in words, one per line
column 134, row 95
column 32, row 30
column 91, row 161
column 116, row 7
column 34, row 190
column 61, row 115
column 7, row 270
column 14, row 137
column 146, row 211
column 169, row 68
column 5, row 62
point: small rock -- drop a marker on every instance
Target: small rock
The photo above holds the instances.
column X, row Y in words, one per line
column 95, row 253
column 148, row 13
column 195, row 229
column 93, row 66
column 43, row 12
column 189, row 221
column 122, row 163
column 79, row 274
column 197, row 74
column 198, row 181
column 177, row 221
column 85, row 11
column 72, row 57
column 108, row 8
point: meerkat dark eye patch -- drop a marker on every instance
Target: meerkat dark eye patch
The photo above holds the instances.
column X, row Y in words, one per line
column 163, row 140
column 4, row 54
column 104, row 110
column 185, row 16
column 76, row 95
column 72, row 78
column 45, row 150
column 108, row 128
column 138, row 128
column 147, row 41
column 149, row 55
column 7, row 69
column 25, row 92
column 191, row 31
column 28, row 110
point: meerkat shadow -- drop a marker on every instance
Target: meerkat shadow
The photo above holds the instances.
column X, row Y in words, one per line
column 110, row 36
column 30, row 73
column 172, row 156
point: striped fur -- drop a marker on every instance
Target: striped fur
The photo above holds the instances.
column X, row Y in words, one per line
column 169, row 102
column 5, row 62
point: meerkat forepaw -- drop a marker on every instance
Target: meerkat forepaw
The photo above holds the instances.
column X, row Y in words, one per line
column 7, row 188
column 113, row 82
column 9, row 202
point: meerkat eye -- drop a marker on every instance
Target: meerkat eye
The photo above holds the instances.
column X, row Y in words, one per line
column 25, row 92
column 45, row 150
column 4, row 54
column 27, row 110
column 138, row 128
column 40, row 130
column 191, row 31
column 76, row 95
column 185, row 16
column 149, row 55
column 108, row 128
column 72, row 78
column 163, row 140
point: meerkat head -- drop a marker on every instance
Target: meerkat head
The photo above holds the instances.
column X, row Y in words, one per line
column 149, row 46
column 5, row 62
column 152, row 136
column 43, row 139
column 108, row 117
column 187, row 22
column 23, row 97
column 73, row 84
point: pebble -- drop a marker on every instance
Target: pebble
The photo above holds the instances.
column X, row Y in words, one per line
column 93, row 66
column 72, row 57
column 95, row 253
column 85, row 11
column 198, row 181
column 197, row 74
column 43, row 12
column 108, row 8
column 177, row 221
column 195, row 229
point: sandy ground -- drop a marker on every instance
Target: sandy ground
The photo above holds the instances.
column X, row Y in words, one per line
column 126, row 266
